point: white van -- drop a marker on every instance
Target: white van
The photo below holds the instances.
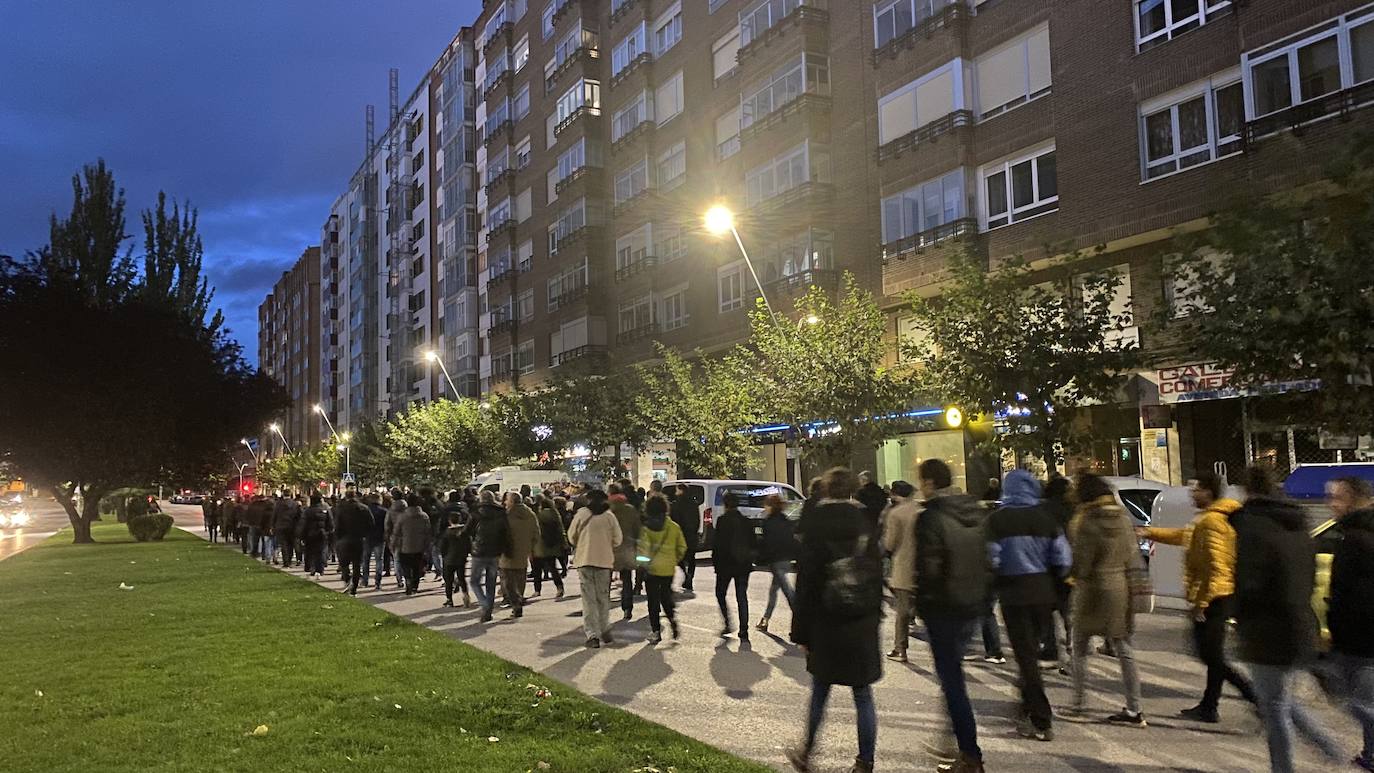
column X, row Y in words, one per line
column 710, row 498
column 503, row 479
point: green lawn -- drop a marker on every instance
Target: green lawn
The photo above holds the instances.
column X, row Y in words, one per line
column 175, row 675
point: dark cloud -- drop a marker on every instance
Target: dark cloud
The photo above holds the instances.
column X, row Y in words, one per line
column 252, row 111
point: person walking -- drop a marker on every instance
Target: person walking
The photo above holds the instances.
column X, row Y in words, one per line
column 214, row 514
column 565, row 515
column 630, row 520
column 836, row 614
column 229, row 519
column 871, row 497
column 661, row 546
column 733, row 557
column 595, row 534
column 1351, row 598
column 1209, row 567
column 314, row 528
column 488, row 531
column 686, row 513
column 1275, row 624
column 953, row 578
column 1029, row 554
column 1052, row 648
column 514, row 563
column 455, row 545
column 1105, row 555
column 353, row 523
column 394, row 512
column 207, row 509
column 553, row 542
column 375, row 549
column 411, row 535
column 899, row 541
column 286, row 516
column 777, row 551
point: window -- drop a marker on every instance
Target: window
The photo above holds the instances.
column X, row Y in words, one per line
column 524, row 305
column 1120, row 305
column 672, row 167
column 522, row 154
column 572, row 159
column 497, row 65
column 550, row 124
column 636, row 315
column 584, row 93
column 813, row 248
column 806, row 73
column 668, row 29
column 1199, row 125
column 723, row 54
column 924, row 207
column 629, row 48
column 894, row 18
column 579, row 38
column 524, row 205
column 668, row 99
column 730, row 281
column 525, row 255
column 669, row 243
column 1014, row 74
column 499, row 213
column 632, row 182
column 631, row 115
column 521, row 56
column 498, row 163
column 570, row 280
column 521, row 106
column 1019, row 188
column 1182, row 281
column 758, row 19
column 546, row 19
column 493, row 24
column 1336, row 55
column 524, row 357
column 572, row 335
column 498, row 115
column 797, row 166
column 1157, row 21
column 572, row 218
column 925, row 100
column 673, row 308
column 727, row 134
column 632, row 247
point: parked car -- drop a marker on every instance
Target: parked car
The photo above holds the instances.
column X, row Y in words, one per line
column 503, row 479
column 186, row 498
column 1137, row 496
column 710, row 498
column 1306, row 485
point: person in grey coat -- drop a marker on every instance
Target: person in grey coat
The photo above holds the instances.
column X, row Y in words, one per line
column 411, row 538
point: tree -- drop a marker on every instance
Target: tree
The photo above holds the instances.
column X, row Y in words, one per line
column 171, row 263
column 369, row 457
column 443, row 443
column 597, row 406
column 824, row 375
column 1001, row 345
column 303, row 469
column 703, row 406
column 1289, row 293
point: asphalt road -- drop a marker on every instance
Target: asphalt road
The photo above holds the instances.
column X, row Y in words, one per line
column 751, row 701
column 46, row 517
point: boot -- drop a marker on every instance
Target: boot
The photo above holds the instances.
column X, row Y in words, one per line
column 763, row 625
column 965, row 764
column 467, row 600
column 861, row 767
column 800, row 758
column 676, row 632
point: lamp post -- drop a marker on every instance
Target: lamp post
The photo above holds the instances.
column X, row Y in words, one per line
column 720, row 221
column 433, row 356
column 348, row 454
column 275, row 427
column 249, row 446
column 320, row 410
column 241, row 467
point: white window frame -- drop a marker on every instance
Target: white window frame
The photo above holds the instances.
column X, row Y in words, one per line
column 955, row 66
column 634, row 246
column 584, row 93
column 730, row 273
column 717, row 46
column 1005, row 165
column 1023, row 41
column 920, row 11
column 1339, row 27
column 524, row 365
column 627, row 177
column 572, row 159
column 1207, row 10
column 808, row 65
column 1217, row 147
column 666, row 235
column 522, row 95
column 675, row 78
column 629, row 48
column 674, row 296
column 781, row 161
column 521, row 55
column 916, row 193
column 644, row 303
column 642, row 107
column 729, row 145
column 746, row 17
column 669, row 21
column 546, row 19
column 674, row 159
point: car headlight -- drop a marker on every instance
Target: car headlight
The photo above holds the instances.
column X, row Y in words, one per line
column 20, row 518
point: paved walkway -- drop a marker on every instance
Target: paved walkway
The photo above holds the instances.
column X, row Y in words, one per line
column 751, row 701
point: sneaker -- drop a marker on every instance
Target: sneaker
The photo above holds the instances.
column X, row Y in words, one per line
column 629, row 615
column 676, row 633
column 593, row 643
column 1200, row 713
column 606, row 636
column 944, row 754
column 969, row 657
column 447, row 603
column 964, row 764
column 654, row 638
column 516, row 615
column 799, row 758
column 762, row 626
column 1125, row 717
column 1026, row 729
column 486, row 615
column 898, row 656
column 726, row 630
column 861, row 767
column 995, row 660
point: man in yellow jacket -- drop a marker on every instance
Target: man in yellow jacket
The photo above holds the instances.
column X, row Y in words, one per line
column 1209, row 579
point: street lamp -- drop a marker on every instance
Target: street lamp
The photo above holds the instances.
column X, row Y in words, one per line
column 241, row 467
column 433, row 356
column 720, row 221
column 320, row 410
column 249, row 446
column 275, row 427
column 348, row 456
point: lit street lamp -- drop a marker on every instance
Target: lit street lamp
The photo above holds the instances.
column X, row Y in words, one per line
column 348, row 455
column 320, row 410
column 433, row 356
column 249, row 446
column 277, row 429
column 720, row 221
column 241, row 469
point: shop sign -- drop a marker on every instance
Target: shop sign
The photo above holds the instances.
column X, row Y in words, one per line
column 1210, row 381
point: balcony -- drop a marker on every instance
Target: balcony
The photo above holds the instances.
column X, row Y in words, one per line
column 569, row 297
column 954, row 17
column 805, row 195
column 642, row 130
column 504, row 228
column 642, row 63
column 623, row 8
column 578, row 353
column 924, row 258
column 803, row 16
column 582, row 174
column 578, row 234
column 583, row 54
column 493, row 84
column 500, row 34
column 561, row 12
column 498, row 278
column 623, row 208
column 931, row 132
column 638, row 264
column 503, row 324
column 496, row 132
column 640, row 333
column 495, row 184
column 808, row 106
column 585, row 111
column 799, row 283
column 1296, row 118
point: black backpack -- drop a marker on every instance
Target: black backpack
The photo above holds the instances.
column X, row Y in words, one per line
column 853, row 581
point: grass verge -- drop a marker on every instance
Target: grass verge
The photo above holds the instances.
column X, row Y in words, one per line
column 177, row 673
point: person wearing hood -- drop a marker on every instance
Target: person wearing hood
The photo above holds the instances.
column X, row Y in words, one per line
column 1052, row 648
column 1105, row 553
column 514, row 563
column 873, row 498
column 661, row 546
column 454, row 545
column 1209, row 568
column 286, row 516
column 314, row 532
column 553, row 541
column 489, row 533
column 595, row 535
column 354, row 521
column 411, row 536
column 1028, row 553
column 686, row 513
column 1348, row 609
column 627, row 515
column 1275, row 625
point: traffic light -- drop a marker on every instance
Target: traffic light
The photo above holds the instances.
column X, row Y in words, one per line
column 248, row 487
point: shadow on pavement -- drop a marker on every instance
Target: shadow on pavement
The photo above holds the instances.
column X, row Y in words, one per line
column 627, row 677
column 738, row 672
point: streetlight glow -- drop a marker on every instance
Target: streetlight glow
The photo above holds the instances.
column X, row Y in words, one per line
column 431, row 355
column 274, row 427
column 720, row 220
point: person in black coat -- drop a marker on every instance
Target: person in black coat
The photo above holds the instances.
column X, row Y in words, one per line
column 1275, row 624
column 353, row 523
column 374, row 553
column 314, row 533
column 872, row 496
column 776, row 552
column 1349, row 605
column 686, row 513
column 733, row 556
column 841, row 645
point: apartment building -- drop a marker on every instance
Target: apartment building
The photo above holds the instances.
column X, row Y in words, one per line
column 289, row 345
column 398, row 256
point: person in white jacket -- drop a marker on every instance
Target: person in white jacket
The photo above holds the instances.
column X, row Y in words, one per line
column 595, row 534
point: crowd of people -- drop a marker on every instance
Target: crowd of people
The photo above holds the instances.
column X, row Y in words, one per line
column 1065, row 550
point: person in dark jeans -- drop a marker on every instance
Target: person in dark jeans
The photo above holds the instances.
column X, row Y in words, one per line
column 986, row 623
column 1029, row 554
column 375, row 551
column 454, row 546
column 952, row 580
column 686, row 513
column 353, row 522
column 733, row 556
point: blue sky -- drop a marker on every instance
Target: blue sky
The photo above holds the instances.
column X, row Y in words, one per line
column 252, row 110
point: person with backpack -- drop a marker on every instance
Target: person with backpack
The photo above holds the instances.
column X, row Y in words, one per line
column 661, row 546
column 836, row 614
column 353, row 521
column 733, row 556
column 553, row 540
column 286, row 516
column 595, row 534
column 776, row 552
column 314, row 533
column 1029, row 554
column 953, row 577
column 523, row 528
column 489, row 533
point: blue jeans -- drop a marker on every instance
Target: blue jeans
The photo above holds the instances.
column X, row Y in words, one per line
column 863, row 706
column 484, row 573
column 780, row 582
column 1352, row 681
column 372, row 552
column 1273, row 688
column 269, row 548
column 948, row 638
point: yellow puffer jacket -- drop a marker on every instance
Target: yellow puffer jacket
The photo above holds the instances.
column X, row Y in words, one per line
column 1209, row 566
